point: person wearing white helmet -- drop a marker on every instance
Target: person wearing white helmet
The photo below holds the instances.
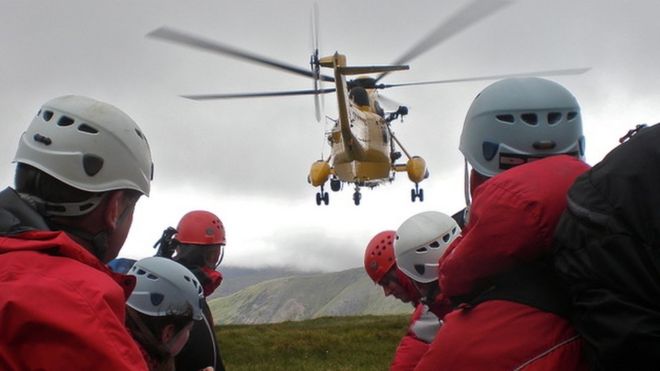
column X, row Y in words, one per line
column 523, row 139
column 419, row 244
column 161, row 309
column 81, row 167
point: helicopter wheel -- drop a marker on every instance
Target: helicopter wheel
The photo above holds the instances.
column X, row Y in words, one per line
column 326, row 198
column 318, row 198
column 356, row 198
column 335, row 185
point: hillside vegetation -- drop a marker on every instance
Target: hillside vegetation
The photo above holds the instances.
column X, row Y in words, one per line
column 346, row 293
column 322, row 344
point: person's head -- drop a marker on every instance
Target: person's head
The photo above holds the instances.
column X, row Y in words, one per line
column 420, row 242
column 517, row 120
column 166, row 299
column 84, row 164
column 380, row 265
column 200, row 240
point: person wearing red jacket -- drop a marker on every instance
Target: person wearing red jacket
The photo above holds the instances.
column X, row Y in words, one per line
column 198, row 243
column 379, row 262
column 81, row 167
column 509, row 310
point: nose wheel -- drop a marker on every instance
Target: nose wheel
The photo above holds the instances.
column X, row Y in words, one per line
column 417, row 193
column 357, row 196
column 322, row 197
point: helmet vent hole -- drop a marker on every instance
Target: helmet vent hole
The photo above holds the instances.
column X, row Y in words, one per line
column 489, row 150
column 152, row 276
column 156, row 298
column 421, row 249
column 140, row 272
column 186, row 278
column 87, row 129
column 92, row 164
column 47, row 115
column 419, row 268
column 530, row 118
column 509, row 119
column 435, row 244
column 65, row 121
column 446, row 237
column 571, row 115
column 554, row 118
column 139, row 133
column 453, row 230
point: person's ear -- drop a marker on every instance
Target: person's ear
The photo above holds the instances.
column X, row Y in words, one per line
column 114, row 208
column 168, row 333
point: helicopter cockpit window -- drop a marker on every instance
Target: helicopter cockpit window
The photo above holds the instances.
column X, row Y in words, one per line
column 359, row 96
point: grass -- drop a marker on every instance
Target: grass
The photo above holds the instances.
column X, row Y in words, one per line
column 330, row 343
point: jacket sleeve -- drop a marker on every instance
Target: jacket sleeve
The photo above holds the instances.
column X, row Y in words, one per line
column 411, row 347
column 52, row 325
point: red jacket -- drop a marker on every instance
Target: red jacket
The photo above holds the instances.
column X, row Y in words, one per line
column 511, row 223
column 61, row 308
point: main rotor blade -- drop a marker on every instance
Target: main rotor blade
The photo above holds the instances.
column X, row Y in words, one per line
column 569, row 71
column 255, row 95
column 179, row 37
column 464, row 18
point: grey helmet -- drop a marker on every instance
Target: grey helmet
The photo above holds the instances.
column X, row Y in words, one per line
column 517, row 120
column 420, row 242
column 165, row 287
column 87, row 144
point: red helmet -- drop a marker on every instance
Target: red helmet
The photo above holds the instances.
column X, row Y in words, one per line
column 379, row 256
column 200, row 228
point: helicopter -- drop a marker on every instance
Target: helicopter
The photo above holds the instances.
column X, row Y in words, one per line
column 364, row 152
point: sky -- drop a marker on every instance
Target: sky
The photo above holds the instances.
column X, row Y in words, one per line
column 247, row 160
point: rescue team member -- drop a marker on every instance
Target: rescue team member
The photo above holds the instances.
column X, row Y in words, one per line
column 199, row 243
column 509, row 310
column 81, row 167
column 606, row 251
column 380, row 265
column 161, row 309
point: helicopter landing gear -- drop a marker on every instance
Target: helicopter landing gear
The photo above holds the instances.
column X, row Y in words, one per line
column 322, row 197
column 357, row 196
column 417, row 193
column 335, row 184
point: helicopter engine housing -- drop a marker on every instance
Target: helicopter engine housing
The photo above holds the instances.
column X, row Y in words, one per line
column 319, row 173
column 416, row 168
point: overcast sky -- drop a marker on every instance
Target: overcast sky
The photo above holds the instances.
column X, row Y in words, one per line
column 247, row 160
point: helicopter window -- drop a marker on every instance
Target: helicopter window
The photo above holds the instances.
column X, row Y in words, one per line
column 530, row 118
column 571, row 115
column 359, row 96
column 554, row 117
column 505, row 118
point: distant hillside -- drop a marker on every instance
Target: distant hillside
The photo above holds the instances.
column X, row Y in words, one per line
column 237, row 278
column 346, row 293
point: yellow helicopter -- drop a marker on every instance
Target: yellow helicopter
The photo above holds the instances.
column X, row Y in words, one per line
column 364, row 150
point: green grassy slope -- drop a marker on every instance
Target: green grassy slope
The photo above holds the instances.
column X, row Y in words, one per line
column 329, row 343
column 347, row 293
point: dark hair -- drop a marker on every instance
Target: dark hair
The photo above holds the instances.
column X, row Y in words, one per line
column 148, row 330
column 35, row 182
column 192, row 256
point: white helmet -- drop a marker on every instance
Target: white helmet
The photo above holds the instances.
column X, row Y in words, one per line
column 519, row 119
column 420, row 242
column 165, row 287
column 87, row 144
